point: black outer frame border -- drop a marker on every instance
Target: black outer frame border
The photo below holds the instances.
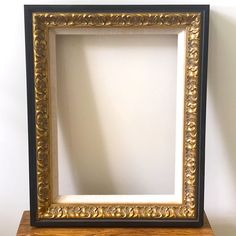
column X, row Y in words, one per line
column 197, row 222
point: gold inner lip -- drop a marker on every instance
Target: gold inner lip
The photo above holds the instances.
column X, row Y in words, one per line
column 41, row 24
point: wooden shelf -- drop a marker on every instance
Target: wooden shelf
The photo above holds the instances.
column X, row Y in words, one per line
column 26, row 229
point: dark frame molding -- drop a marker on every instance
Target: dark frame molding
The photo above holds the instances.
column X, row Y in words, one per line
column 196, row 222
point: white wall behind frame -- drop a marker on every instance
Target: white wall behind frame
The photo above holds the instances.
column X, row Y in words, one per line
column 110, row 119
column 220, row 203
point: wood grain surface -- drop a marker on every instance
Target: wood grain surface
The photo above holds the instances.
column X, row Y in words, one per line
column 26, row 229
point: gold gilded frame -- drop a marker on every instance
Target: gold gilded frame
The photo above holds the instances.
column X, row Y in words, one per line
column 45, row 208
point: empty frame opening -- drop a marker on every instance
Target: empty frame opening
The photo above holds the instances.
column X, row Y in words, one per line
column 117, row 102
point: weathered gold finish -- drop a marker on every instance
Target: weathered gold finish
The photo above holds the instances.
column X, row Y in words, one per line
column 41, row 24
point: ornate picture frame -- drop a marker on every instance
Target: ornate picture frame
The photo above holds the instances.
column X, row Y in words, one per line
column 194, row 19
